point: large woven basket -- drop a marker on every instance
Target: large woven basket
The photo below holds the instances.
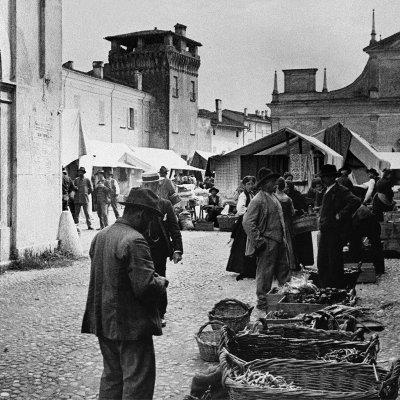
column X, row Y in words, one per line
column 306, row 223
column 319, row 380
column 232, row 313
column 251, row 346
column 226, row 222
column 208, row 341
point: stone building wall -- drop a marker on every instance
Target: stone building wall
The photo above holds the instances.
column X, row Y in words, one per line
column 30, row 125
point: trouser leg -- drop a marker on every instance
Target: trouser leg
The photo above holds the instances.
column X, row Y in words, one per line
column 71, row 206
column 160, row 266
column 114, row 206
column 265, row 271
column 139, row 369
column 105, row 214
column 86, row 211
column 65, row 205
column 282, row 269
column 330, row 260
column 100, row 215
column 111, row 382
column 77, row 212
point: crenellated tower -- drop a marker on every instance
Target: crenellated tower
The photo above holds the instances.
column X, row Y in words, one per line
column 167, row 63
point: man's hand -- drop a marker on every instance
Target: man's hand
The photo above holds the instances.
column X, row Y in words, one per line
column 164, row 281
column 177, row 256
column 337, row 216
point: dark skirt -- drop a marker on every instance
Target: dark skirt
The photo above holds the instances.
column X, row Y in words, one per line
column 303, row 248
column 238, row 262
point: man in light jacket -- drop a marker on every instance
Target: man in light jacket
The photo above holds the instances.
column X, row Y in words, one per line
column 123, row 301
column 265, row 228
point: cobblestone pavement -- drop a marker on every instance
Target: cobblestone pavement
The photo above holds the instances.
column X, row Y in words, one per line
column 44, row 356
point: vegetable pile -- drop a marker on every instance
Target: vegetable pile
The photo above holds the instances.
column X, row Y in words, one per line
column 323, row 296
column 263, row 380
column 279, row 314
column 347, row 355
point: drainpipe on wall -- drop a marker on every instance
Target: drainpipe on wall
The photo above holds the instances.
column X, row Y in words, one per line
column 111, row 113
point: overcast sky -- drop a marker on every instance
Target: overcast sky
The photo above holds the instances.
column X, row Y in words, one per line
column 244, row 41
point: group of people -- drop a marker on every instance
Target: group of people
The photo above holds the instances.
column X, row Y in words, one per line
column 127, row 296
column 104, row 192
column 264, row 245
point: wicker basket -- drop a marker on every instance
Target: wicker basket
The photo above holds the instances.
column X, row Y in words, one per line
column 306, row 223
column 251, row 346
column 232, row 313
column 319, row 380
column 202, row 225
column 208, row 342
column 226, row 222
column 304, row 332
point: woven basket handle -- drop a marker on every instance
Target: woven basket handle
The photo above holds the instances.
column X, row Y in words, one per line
column 245, row 306
column 209, row 323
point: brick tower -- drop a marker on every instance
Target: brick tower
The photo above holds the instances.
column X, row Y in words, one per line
column 168, row 63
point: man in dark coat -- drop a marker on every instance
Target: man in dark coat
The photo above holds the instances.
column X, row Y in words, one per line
column 123, row 301
column 164, row 236
column 81, row 198
column 67, row 187
column 338, row 206
column 344, row 179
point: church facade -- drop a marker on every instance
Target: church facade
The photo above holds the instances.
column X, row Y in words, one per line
column 370, row 105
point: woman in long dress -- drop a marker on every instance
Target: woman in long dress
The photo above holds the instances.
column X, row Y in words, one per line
column 288, row 213
column 238, row 262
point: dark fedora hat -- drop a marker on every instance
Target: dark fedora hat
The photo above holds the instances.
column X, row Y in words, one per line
column 143, row 198
column 163, row 169
column 82, row 169
column 265, row 174
column 213, row 189
column 100, row 171
column 328, row 170
column 345, row 168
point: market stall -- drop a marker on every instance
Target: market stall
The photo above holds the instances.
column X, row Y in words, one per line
column 281, row 151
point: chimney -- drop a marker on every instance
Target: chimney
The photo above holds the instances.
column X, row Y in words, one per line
column 257, row 113
column 180, row 29
column 218, row 109
column 245, row 112
column 98, row 69
column 69, row 65
column 263, row 114
column 137, row 79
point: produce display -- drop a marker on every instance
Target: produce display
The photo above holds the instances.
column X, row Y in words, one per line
column 263, row 380
column 278, row 314
column 348, row 355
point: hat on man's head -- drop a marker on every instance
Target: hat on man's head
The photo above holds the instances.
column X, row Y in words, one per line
column 163, row 169
column 249, row 178
column 149, row 177
column 345, row 168
column 213, row 189
column 82, row 169
column 144, row 199
column 265, row 174
column 100, row 171
column 328, row 170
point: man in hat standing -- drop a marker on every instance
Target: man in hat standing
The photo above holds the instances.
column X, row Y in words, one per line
column 112, row 183
column 164, row 236
column 166, row 189
column 103, row 198
column 67, row 188
column 122, row 307
column 338, row 206
column 81, row 199
column 265, row 228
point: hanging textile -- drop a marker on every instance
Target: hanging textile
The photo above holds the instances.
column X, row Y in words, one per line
column 298, row 166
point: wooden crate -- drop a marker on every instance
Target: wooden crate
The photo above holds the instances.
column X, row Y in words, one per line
column 293, row 309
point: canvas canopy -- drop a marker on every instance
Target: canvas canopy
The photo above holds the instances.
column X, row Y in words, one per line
column 278, row 140
column 73, row 143
column 348, row 144
column 155, row 158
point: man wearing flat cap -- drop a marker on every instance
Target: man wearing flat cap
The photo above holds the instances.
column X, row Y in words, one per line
column 338, row 206
column 265, row 228
column 166, row 189
column 123, row 301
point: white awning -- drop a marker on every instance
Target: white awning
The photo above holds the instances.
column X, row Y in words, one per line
column 72, row 138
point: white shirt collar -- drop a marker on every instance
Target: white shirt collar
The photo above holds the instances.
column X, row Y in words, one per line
column 330, row 187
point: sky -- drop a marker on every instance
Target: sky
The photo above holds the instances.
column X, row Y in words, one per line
column 244, row 41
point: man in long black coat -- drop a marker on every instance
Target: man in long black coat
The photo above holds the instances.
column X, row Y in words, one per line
column 164, row 236
column 338, row 206
column 123, row 301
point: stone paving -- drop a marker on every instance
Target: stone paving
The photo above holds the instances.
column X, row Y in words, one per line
column 44, row 356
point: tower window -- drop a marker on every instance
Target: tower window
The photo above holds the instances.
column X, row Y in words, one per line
column 213, row 131
column 131, row 118
column 192, row 91
column 175, row 89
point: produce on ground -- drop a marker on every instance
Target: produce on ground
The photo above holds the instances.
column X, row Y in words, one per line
column 263, row 380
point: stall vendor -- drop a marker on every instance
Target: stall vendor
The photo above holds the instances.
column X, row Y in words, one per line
column 214, row 206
